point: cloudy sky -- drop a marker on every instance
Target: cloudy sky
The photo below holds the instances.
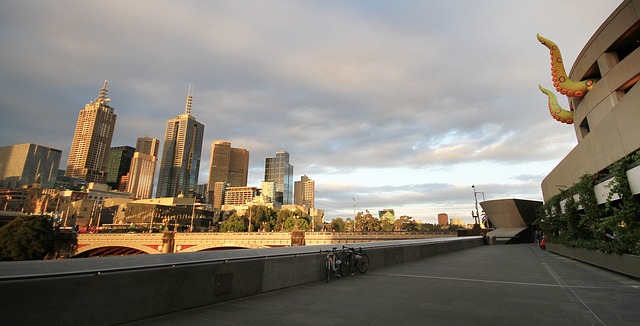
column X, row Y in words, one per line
column 396, row 104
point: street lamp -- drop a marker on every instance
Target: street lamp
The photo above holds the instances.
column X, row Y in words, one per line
column 475, row 197
column 354, row 214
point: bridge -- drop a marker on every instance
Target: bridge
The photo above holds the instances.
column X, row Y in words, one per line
column 119, row 244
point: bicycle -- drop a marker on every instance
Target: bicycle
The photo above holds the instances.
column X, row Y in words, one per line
column 360, row 259
column 332, row 264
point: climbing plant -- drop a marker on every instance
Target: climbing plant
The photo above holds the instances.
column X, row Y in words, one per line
column 612, row 227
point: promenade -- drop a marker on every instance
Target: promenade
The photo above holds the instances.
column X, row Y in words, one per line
column 487, row 285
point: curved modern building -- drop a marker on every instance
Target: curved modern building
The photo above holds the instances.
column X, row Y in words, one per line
column 511, row 219
column 607, row 118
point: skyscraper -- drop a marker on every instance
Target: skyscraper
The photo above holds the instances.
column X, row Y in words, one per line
column 181, row 154
column 92, row 140
column 118, row 165
column 304, row 192
column 25, row 164
column 228, row 165
column 277, row 169
column 143, row 168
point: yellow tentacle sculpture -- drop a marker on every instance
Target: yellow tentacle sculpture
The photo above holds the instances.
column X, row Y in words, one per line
column 561, row 81
column 557, row 112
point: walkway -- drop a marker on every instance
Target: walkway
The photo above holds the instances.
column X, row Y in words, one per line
column 489, row 285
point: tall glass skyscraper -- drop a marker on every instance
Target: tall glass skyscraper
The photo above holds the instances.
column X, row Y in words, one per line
column 118, row 165
column 181, row 154
column 277, row 169
column 92, row 140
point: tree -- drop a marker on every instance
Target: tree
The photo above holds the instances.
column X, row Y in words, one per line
column 338, row 224
column 26, row 238
column 235, row 223
column 281, row 217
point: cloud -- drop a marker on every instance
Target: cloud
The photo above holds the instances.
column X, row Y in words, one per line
column 400, row 105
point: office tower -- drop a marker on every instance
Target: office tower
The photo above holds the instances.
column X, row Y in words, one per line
column 228, row 165
column 143, row 168
column 443, row 219
column 92, row 140
column 268, row 191
column 118, row 165
column 304, row 192
column 277, row 169
column 181, row 154
column 25, row 164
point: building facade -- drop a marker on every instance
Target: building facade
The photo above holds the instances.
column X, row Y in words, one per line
column 143, row 168
column 118, row 166
column 236, row 196
column 304, row 192
column 92, row 140
column 443, row 219
column 277, row 169
column 606, row 118
column 181, row 155
column 24, row 164
column 229, row 166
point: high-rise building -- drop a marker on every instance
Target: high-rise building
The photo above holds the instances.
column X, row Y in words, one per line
column 25, row 164
column 228, row 165
column 92, row 140
column 443, row 219
column 118, row 166
column 304, row 192
column 268, row 192
column 181, row 154
column 277, row 169
column 143, row 168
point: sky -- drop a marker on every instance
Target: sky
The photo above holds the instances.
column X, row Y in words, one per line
column 401, row 105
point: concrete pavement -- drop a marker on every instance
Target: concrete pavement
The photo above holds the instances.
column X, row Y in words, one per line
column 488, row 285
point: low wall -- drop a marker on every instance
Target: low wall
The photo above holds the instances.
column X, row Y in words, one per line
column 111, row 290
column 624, row 264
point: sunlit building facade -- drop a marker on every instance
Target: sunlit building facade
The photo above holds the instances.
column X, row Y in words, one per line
column 181, row 153
column 606, row 119
column 92, row 140
column 143, row 168
column 229, row 166
column 24, row 164
column 304, row 192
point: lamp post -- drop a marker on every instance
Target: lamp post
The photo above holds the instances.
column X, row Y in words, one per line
column 354, row 214
column 475, row 197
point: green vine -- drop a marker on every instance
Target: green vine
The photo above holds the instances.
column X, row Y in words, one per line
column 612, row 227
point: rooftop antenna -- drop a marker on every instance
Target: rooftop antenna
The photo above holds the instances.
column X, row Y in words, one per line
column 187, row 109
column 102, row 95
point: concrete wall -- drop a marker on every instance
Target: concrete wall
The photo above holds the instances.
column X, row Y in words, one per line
column 610, row 109
column 111, row 290
column 624, row 264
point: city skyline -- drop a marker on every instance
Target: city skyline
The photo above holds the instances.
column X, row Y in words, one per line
column 400, row 105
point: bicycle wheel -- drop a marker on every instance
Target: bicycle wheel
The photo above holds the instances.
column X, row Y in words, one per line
column 345, row 266
column 327, row 270
column 363, row 263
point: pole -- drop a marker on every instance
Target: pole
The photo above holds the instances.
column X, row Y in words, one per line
column 475, row 218
column 354, row 214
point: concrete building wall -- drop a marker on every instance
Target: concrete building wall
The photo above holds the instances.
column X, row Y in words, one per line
column 606, row 119
column 114, row 290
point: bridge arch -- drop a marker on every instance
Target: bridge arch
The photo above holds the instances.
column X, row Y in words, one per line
column 222, row 246
column 93, row 250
